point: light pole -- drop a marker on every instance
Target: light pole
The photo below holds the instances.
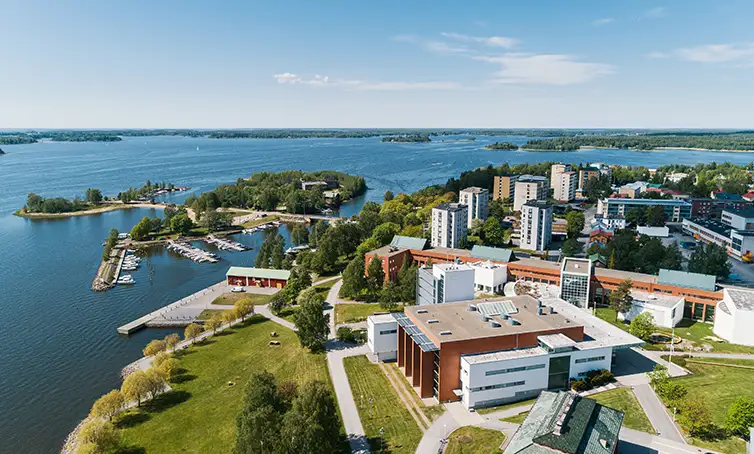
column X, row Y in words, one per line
column 672, row 348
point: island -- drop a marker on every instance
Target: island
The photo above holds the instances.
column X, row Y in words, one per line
column 738, row 141
column 16, row 139
column 501, row 146
column 410, row 138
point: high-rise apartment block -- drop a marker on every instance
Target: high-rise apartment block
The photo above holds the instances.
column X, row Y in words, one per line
column 449, row 224
column 529, row 187
column 478, row 201
column 536, row 225
column 504, row 187
column 565, row 187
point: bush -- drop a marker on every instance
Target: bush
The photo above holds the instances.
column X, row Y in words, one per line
column 677, row 359
column 600, row 377
column 579, row 385
column 346, row 334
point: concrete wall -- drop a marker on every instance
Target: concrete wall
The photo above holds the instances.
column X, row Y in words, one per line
column 382, row 337
column 663, row 316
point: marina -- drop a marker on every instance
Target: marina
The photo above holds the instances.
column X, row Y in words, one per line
column 225, row 244
column 191, row 252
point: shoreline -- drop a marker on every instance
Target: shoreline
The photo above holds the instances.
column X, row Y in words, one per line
column 106, row 208
column 652, row 150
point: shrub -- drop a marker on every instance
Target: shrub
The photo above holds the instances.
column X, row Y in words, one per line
column 677, row 359
column 600, row 377
column 346, row 334
column 579, row 385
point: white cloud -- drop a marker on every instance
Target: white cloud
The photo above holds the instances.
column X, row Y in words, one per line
column 438, row 47
column 717, row 53
column 655, row 13
column 325, row 81
column 495, row 41
column 657, row 54
column 545, row 69
column 602, row 21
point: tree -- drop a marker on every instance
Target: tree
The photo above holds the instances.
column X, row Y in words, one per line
column 611, row 262
column 300, row 234
column 740, row 416
column 213, row 323
column 172, row 340
column 311, row 322
column 496, row 209
column 673, row 258
column 93, row 195
column 659, row 377
column 155, row 382
column 635, row 216
column 215, row 221
column 494, row 235
column 642, row 326
column 34, row 202
column 575, row 225
column 181, row 223
column 98, row 436
column 695, row 416
column 136, row 386
column 229, row 316
column 192, row 331
column 390, row 296
column 389, row 196
column 244, row 307
column 656, row 216
column 170, row 367
column 597, row 188
column 477, row 228
column 375, row 274
column 354, row 281
column 154, row 347
column 277, row 303
column 407, row 283
column 312, row 424
column 385, row 232
column 571, row 247
column 620, row 299
column 674, row 393
column 710, row 259
column 108, row 405
column 141, row 230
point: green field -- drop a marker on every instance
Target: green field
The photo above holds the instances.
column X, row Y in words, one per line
column 380, row 407
column 198, row 415
column 229, row 299
column 623, row 399
column 718, row 387
column 475, row 440
column 207, row 314
column 354, row 313
column 256, row 222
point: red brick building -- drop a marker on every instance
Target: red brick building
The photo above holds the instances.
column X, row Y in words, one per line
column 257, row 277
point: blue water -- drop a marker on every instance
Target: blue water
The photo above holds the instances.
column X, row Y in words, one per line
column 60, row 350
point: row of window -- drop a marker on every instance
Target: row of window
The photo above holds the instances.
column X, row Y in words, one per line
column 501, row 385
column 389, row 331
column 589, row 360
column 514, row 369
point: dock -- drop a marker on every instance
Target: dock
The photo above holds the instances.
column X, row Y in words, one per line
column 225, row 244
column 191, row 252
column 179, row 313
column 105, row 280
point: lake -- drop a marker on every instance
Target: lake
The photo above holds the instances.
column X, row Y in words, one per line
column 60, row 347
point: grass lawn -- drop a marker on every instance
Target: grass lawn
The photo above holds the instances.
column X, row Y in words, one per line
column 475, row 440
column 484, row 411
column 623, row 399
column 324, row 288
column 288, row 313
column 229, row 299
column 207, row 314
column 386, row 410
column 198, row 415
column 718, row 387
column 432, row 412
column 517, row 419
column 354, row 313
column 256, row 222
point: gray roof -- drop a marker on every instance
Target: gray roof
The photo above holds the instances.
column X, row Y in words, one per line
column 743, row 299
column 451, row 207
column 263, row 273
column 686, row 279
column 743, row 212
column 622, row 201
column 409, row 242
column 492, row 253
column 474, row 190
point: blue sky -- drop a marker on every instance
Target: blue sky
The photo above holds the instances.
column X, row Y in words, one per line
column 101, row 64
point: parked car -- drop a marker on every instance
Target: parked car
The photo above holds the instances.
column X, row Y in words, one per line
column 238, row 289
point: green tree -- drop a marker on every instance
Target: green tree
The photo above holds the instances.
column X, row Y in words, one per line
column 477, row 228
column 571, row 247
column 141, row 230
column 597, row 188
column 655, row 216
column 215, row 221
column 311, row 322
column 635, row 216
column 354, row 281
column 710, row 259
column 213, row 323
column 620, row 299
column 642, row 326
column 299, row 234
column 740, row 416
column 497, row 209
column 494, row 235
column 674, row 393
column 407, row 282
column 171, row 341
column 385, row 232
column 659, row 377
column 375, row 274
column 389, row 196
column 99, row 436
column 244, row 307
column 312, row 424
column 154, row 347
column 258, row 422
column 169, row 368
column 695, row 416
column 192, row 331
column 390, row 296
column 277, row 303
column 136, row 386
column 108, row 405
column 575, row 225
column 93, row 195
column 181, row 223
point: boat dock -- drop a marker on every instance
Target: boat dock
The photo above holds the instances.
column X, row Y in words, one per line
column 179, row 313
column 194, row 253
column 106, row 277
column 225, row 244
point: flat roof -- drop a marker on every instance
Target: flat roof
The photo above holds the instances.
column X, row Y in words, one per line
column 623, row 275
column 648, row 202
column 657, row 299
column 264, row 273
column 454, row 267
column 539, row 263
column 742, row 299
column 557, row 340
column 385, row 251
column 572, row 265
column 459, row 323
column 743, row 212
column 686, row 279
column 451, row 207
column 712, row 225
column 531, row 178
column 382, row 318
column 537, row 204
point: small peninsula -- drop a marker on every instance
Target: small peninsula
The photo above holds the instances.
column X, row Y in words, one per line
column 743, row 141
column 409, row 138
column 501, row 146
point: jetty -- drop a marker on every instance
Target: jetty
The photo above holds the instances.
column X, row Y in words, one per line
column 225, row 244
column 108, row 271
column 191, row 252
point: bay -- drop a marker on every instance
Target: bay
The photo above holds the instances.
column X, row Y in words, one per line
column 60, row 350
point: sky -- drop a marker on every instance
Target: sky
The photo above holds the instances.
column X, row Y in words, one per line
column 354, row 64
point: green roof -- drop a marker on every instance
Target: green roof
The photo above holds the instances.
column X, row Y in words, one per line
column 409, row 242
column 260, row 273
column 597, row 257
column 492, row 253
column 686, row 279
column 654, row 185
column 567, row 423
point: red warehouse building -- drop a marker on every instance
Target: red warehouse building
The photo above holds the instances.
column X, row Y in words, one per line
column 257, row 277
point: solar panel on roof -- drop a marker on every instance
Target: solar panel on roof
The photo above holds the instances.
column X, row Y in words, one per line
column 496, row 308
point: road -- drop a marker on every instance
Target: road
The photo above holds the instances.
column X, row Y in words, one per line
column 635, row 442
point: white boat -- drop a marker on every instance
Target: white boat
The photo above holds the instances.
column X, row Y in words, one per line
column 129, row 268
column 126, row 279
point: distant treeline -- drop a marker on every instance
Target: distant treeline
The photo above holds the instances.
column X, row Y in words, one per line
column 408, row 138
column 502, row 146
column 727, row 141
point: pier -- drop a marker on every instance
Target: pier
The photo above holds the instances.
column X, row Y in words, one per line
column 106, row 277
column 194, row 253
column 225, row 244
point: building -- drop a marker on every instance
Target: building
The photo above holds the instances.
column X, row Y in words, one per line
column 491, row 352
column 449, row 225
column 559, row 227
column 742, row 219
column 586, row 175
column 712, row 208
column 556, row 170
column 749, row 196
column 575, row 281
column 734, row 316
column 257, row 277
column 676, row 177
column 655, row 232
column 632, row 190
column 675, row 210
column 536, row 226
column 392, row 260
column 478, row 201
column 565, row 187
column 444, row 283
column 319, row 184
column 739, row 244
column 382, row 336
column 503, row 187
column 666, row 310
column 600, row 235
column 565, row 422
column 609, row 222
column 720, row 195
column 489, row 277
column 529, row 187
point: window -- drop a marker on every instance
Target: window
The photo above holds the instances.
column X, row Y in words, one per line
column 589, row 360
column 501, row 385
column 390, row 331
column 514, row 369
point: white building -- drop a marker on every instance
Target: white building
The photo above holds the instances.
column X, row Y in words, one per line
column 676, row 177
column 449, row 225
column 734, row 316
column 609, row 222
column 738, row 219
column 656, row 232
column 382, row 337
column 444, row 283
column 666, row 310
column 575, row 281
column 565, row 187
column 556, row 170
column 529, row 187
column 478, row 201
column 489, row 277
column 536, row 226
column 738, row 243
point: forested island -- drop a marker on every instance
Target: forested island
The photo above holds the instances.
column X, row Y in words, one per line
column 299, row 192
column 15, row 140
column 743, row 141
column 501, row 146
column 417, row 138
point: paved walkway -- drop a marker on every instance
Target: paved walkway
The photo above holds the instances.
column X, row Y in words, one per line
column 355, row 432
column 721, row 355
column 267, row 313
column 657, row 414
column 635, row 442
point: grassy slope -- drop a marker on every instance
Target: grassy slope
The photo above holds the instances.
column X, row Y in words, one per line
column 353, row 313
column 367, row 381
column 623, row 399
column 230, row 299
column 204, row 419
column 475, row 440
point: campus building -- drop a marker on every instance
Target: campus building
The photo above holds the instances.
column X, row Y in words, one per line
column 565, row 187
column 449, row 225
column 503, row 187
column 444, row 283
column 382, row 337
column 713, row 208
column 734, row 232
column 666, row 310
column 734, row 318
column 257, row 277
column 536, row 225
column 491, row 352
column 675, row 210
column 478, row 201
column 529, row 187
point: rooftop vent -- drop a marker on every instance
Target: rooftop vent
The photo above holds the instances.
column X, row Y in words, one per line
column 422, row 311
column 433, row 321
column 540, row 311
column 471, row 308
column 445, row 333
column 513, row 322
column 493, row 324
column 506, row 316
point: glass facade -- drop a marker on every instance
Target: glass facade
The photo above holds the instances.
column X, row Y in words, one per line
column 575, row 289
column 560, row 372
column 436, row 374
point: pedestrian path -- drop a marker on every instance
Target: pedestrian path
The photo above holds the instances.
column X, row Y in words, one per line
column 657, row 414
column 354, row 430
